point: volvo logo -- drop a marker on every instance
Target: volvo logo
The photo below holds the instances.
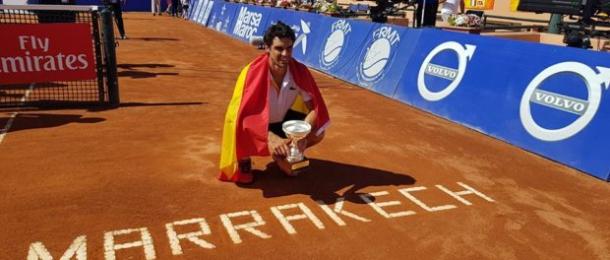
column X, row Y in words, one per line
column 585, row 109
column 464, row 54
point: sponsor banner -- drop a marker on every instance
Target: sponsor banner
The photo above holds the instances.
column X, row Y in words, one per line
column 384, row 58
column 342, row 44
column 338, row 41
column 223, row 16
column 307, row 27
column 546, row 99
column 198, row 15
column 41, row 52
column 202, row 10
column 197, row 8
column 206, row 13
column 377, row 56
column 193, row 5
column 249, row 21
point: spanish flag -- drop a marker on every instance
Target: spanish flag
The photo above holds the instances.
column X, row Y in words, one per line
column 247, row 118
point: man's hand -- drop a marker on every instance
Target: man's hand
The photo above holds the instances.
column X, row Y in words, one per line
column 278, row 146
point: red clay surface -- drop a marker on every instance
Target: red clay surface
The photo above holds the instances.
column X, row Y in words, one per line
column 146, row 166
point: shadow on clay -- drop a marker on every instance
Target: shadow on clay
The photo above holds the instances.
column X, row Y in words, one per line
column 324, row 180
column 140, row 71
column 25, row 121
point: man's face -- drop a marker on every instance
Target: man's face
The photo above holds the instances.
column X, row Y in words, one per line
column 280, row 52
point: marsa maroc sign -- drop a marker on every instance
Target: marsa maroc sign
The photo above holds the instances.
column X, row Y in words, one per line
column 46, row 52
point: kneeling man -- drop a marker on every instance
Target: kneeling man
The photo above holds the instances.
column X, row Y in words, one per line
column 272, row 89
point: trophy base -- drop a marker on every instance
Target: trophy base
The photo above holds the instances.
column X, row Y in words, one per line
column 295, row 168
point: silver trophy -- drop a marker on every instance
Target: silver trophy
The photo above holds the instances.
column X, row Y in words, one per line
column 296, row 130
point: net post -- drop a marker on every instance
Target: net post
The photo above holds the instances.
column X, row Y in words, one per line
column 111, row 65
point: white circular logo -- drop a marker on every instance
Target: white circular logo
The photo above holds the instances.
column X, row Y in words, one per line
column 334, row 43
column 585, row 108
column 376, row 58
column 333, row 46
column 464, row 54
column 378, row 54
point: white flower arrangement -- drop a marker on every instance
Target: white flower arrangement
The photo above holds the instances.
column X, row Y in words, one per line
column 465, row 20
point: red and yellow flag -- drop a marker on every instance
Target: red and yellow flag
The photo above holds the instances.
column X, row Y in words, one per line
column 247, row 118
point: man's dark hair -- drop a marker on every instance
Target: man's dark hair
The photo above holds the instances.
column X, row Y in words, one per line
column 280, row 30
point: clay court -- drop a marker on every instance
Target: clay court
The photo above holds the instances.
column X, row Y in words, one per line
column 388, row 181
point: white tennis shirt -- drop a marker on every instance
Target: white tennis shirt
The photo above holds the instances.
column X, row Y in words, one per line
column 280, row 103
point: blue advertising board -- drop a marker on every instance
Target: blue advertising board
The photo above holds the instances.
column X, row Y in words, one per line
column 307, row 31
column 550, row 100
column 196, row 10
column 249, row 21
column 222, row 17
column 545, row 99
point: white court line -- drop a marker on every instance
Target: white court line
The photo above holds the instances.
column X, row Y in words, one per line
column 9, row 123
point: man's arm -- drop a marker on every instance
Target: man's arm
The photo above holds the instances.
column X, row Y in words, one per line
column 311, row 116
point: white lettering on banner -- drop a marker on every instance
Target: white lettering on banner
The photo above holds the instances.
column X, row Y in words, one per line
column 407, row 193
column 561, row 102
column 174, row 237
column 28, row 63
column 146, row 242
column 440, row 71
column 378, row 206
column 387, row 33
column 250, row 227
column 469, row 190
column 247, row 23
column 77, row 249
column 35, row 43
column 342, row 25
column 285, row 220
column 339, row 210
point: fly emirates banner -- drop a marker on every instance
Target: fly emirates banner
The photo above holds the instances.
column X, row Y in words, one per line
column 46, row 52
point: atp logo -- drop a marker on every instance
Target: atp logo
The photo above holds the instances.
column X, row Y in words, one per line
column 301, row 34
column 333, row 47
column 595, row 82
column 464, row 55
column 378, row 55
